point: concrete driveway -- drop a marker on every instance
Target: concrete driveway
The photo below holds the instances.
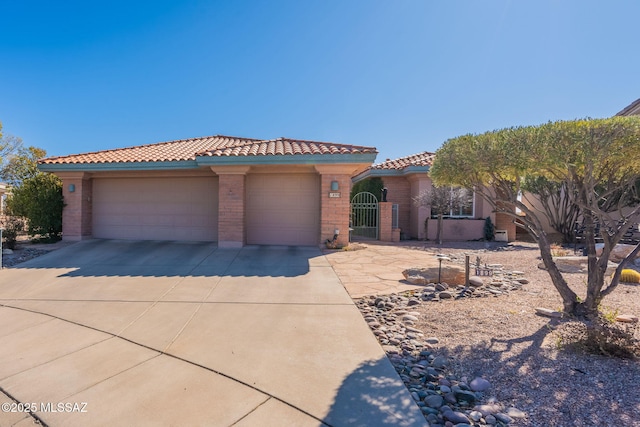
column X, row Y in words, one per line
column 107, row 332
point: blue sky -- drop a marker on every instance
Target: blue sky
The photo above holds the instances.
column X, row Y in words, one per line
column 400, row 75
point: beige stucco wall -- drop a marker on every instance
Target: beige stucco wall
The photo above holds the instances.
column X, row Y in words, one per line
column 332, row 207
column 403, row 189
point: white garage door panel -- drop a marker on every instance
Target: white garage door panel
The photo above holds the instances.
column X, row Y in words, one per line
column 283, row 209
column 156, row 208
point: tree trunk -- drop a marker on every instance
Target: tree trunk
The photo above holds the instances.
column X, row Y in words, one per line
column 439, row 237
column 569, row 298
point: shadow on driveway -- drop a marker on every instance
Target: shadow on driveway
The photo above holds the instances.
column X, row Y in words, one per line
column 374, row 395
column 96, row 258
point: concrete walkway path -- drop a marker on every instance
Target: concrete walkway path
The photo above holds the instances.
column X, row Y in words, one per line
column 376, row 268
column 165, row 334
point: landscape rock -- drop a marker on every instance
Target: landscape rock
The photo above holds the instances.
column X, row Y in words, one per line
column 576, row 264
column 416, row 280
column 503, row 418
column 487, row 409
column 450, row 273
column 434, row 401
column 548, row 312
column 479, row 384
column 618, row 253
column 465, row 396
column 490, row 419
column 446, row 295
column 515, row 413
column 476, row 281
column 627, row 318
column 456, row 417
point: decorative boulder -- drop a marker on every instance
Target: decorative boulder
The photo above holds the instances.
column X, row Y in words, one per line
column 576, row 264
column 475, row 281
column 452, row 274
column 618, row 253
column 548, row 312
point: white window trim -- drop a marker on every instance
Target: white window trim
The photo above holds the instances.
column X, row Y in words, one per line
column 473, row 209
column 471, row 216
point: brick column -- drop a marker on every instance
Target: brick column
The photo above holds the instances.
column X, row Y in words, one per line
column 385, row 232
column 335, row 207
column 231, row 205
column 77, row 191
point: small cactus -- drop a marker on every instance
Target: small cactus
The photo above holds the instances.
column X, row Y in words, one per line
column 630, row 276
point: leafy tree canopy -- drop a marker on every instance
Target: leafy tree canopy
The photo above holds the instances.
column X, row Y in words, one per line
column 22, row 164
column 596, row 161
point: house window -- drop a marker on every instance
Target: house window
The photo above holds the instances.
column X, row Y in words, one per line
column 464, row 210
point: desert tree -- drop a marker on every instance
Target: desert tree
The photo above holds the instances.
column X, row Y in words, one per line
column 596, row 160
column 557, row 203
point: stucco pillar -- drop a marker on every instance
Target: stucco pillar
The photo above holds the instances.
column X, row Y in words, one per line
column 385, row 221
column 231, row 205
column 506, row 222
column 335, row 207
column 419, row 184
column 77, row 191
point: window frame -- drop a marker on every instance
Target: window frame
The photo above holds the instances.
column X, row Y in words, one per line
column 451, row 214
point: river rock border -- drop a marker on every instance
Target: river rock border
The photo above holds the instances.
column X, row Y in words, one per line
column 496, row 281
column 444, row 399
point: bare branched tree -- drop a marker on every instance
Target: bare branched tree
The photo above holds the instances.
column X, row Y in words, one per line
column 442, row 201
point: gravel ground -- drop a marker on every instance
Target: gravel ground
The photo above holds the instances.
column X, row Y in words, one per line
column 25, row 250
column 504, row 341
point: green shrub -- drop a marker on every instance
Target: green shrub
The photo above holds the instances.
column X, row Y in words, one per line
column 489, row 229
column 39, row 200
column 11, row 226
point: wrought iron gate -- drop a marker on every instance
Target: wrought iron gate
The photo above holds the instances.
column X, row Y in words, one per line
column 364, row 216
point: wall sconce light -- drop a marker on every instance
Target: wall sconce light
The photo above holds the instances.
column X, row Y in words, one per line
column 72, row 188
column 336, row 232
column 335, row 186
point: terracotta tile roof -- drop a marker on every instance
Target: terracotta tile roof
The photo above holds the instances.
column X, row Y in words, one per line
column 421, row 159
column 188, row 149
column 631, row 109
column 284, row 146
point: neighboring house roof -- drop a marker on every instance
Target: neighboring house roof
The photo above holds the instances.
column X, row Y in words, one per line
column 632, row 109
column 415, row 163
column 211, row 150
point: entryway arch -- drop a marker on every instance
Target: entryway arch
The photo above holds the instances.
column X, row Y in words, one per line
column 365, row 216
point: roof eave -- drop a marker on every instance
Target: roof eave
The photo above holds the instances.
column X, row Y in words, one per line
column 365, row 158
column 117, row 166
column 372, row 173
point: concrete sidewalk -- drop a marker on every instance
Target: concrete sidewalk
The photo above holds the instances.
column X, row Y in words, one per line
column 376, row 268
column 160, row 333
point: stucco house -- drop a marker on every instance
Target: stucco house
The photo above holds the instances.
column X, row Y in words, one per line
column 632, row 109
column 407, row 177
column 224, row 189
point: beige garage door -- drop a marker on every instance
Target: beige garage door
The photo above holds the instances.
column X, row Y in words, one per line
column 283, row 209
column 184, row 208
